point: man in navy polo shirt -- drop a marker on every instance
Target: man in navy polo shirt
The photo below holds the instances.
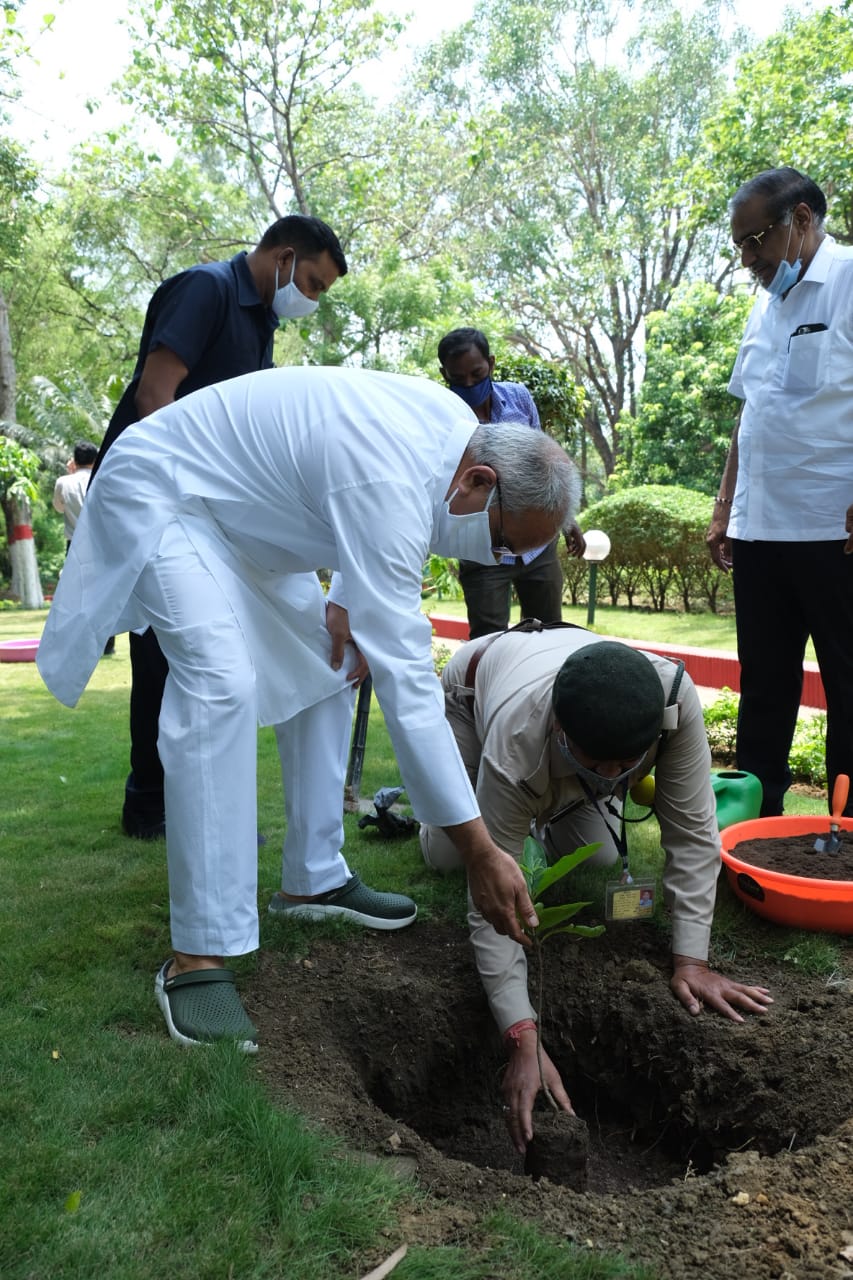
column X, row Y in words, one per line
column 212, row 322
column 467, row 367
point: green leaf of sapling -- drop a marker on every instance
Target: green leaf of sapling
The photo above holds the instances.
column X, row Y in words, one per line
column 565, row 864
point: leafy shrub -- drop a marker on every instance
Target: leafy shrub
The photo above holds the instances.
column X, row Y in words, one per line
column 807, row 759
column 575, row 576
column 721, row 725
column 558, row 398
column 441, row 578
column 441, row 655
column 657, row 535
column 808, row 750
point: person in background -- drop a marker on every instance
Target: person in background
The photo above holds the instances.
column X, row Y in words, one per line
column 783, row 508
column 554, row 725
column 467, row 366
column 69, row 493
column 212, row 322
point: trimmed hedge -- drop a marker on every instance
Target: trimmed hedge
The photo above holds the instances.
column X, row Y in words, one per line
column 658, row 551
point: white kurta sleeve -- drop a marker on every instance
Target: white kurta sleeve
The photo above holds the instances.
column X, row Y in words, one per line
column 501, row 963
column 382, row 531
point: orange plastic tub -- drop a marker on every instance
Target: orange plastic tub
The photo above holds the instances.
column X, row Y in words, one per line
column 797, row 901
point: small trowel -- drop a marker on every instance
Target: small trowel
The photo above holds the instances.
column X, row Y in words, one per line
column 832, row 842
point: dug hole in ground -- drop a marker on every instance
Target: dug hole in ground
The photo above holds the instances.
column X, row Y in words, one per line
column 714, row 1149
column 706, row 1148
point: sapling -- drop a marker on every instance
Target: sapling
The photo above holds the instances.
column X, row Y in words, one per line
column 539, row 876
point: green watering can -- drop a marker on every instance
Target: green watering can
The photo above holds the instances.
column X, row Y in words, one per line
column 738, row 795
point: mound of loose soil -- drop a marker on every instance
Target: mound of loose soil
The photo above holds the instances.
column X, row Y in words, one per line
column 797, row 856
column 716, row 1150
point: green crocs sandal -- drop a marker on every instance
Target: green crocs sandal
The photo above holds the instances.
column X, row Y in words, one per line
column 203, row 1006
column 353, row 901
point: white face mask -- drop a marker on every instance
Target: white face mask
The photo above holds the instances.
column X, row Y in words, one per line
column 597, row 783
column 289, row 302
column 466, row 537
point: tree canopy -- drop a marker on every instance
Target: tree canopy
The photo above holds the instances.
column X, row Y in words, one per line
column 685, row 416
column 554, row 172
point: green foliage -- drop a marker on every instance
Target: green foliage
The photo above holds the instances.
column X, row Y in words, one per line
column 49, row 535
column 267, row 94
column 441, row 579
column 720, row 718
column 790, row 103
column 539, row 876
column 58, row 413
column 441, row 655
column 561, row 402
column 685, row 415
column 110, row 230
column 657, row 536
column 583, row 159
column 807, row 758
column 19, row 468
column 17, row 188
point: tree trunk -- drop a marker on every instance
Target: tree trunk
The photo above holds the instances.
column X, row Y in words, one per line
column 25, row 571
column 19, row 530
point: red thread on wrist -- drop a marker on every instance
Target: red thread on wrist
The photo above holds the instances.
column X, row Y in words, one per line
column 512, row 1035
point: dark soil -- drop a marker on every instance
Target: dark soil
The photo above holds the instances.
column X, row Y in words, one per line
column 559, row 1150
column 797, row 856
column 716, row 1150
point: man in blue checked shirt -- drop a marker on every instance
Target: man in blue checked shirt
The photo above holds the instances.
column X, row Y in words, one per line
column 467, row 367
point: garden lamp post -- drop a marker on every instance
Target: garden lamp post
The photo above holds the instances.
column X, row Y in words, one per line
column 597, row 549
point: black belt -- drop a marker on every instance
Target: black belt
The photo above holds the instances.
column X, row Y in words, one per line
column 526, row 626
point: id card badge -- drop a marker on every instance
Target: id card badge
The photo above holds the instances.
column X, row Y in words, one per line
column 630, row 901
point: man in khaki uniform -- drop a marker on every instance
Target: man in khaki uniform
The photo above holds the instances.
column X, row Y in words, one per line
column 551, row 724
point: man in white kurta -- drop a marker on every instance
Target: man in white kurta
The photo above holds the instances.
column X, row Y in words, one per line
column 206, row 522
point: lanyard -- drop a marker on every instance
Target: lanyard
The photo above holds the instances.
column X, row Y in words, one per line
column 619, row 837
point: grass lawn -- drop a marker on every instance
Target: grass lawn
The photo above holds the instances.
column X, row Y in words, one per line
column 129, row 1158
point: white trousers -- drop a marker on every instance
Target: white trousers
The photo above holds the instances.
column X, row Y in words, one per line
column 208, row 745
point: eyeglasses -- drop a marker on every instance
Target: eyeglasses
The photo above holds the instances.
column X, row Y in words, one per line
column 752, row 243
column 570, row 752
column 502, row 549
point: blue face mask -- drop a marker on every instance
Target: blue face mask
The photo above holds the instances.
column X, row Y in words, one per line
column 474, row 396
column 787, row 273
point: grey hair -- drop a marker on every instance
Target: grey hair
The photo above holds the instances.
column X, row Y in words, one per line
column 782, row 190
column 535, row 474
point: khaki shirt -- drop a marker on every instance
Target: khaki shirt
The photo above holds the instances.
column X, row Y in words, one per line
column 508, row 745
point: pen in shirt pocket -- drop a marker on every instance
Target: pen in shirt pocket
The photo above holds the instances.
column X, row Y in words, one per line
column 806, row 328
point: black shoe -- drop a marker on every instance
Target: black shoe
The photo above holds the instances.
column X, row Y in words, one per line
column 144, row 814
column 139, row 827
column 109, row 647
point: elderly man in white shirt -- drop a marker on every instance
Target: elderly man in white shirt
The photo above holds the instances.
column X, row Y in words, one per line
column 783, row 508
column 206, row 522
